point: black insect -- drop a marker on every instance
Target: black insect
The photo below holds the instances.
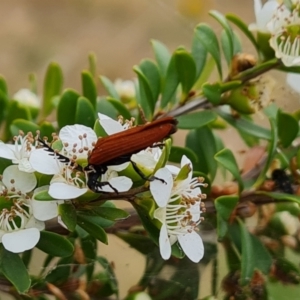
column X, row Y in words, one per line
column 282, row 181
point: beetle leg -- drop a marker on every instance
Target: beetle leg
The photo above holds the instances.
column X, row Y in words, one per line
column 143, row 176
column 96, row 185
column 157, row 145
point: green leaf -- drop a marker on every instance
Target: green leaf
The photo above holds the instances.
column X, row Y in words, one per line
column 85, row 113
column 209, row 40
column 13, row 268
column 248, row 255
column 237, row 44
column 271, row 152
column 55, row 244
column 199, row 54
column 53, row 83
column 89, row 89
column 43, row 196
column 109, row 270
column 228, row 43
column 62, row 271
column 89, row 248
column 246, row 126
column 3, row 85
column 106, row 108
column 26, row 257
column 67, row 212
column 254, row 255
column 226, row 47
column 263, row 259
column 47, row 129
column 146, row 98
column 244, row 28
column 224, row 206
column 4, row 163
column 93, row 229
column 111, row 213
column 186, row 69
column 177, row 153
column 162, row 56
column 281, row 196
column 226, row 158
column 151, row 72
column 288, row 128
column 196, row 120
column 15, row 111
column 67, row 107
column 204, row 150
column 170, row 84
column 212, row 92
column 120, row 107
column 109, row 87
column 92, row 64
column 23, row 125
column 3, row 98
column 137, row 241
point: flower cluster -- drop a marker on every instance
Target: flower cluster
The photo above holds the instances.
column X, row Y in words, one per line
column 26, row 202
column 178, row 197
column 281, row 26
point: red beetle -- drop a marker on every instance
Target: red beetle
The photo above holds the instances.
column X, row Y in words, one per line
column 118, row 148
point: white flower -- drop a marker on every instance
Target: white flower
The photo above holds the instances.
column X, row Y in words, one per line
column 147, row 159
column 20, row 151
column 179, row 210
column 263, row 14
column 289, row 222
column 68, row 182
column 285, row 40
column 125, row 89
column 19, row 229
column 78, row 140
column 27, row 97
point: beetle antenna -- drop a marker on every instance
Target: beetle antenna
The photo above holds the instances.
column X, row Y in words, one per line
column 59, row 156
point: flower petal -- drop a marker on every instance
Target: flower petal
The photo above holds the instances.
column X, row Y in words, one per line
column 160, row 214
column 293, row 80
column 34, row 223
column 109, row 125
column 6, row 151
column 119, row 168
column 25, row 166
column 45, row 210
column 265, row 14
column 22, row 181
column 195, row 211
column 121, row 184
column 164, row 243
column 21, row 240
column 70, row 135
column 43, row 162
column 63, row 191
column 192, row 245
column 161, row 191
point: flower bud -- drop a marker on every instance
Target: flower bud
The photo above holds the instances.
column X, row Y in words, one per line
column 252, row 96
column 29, row 99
